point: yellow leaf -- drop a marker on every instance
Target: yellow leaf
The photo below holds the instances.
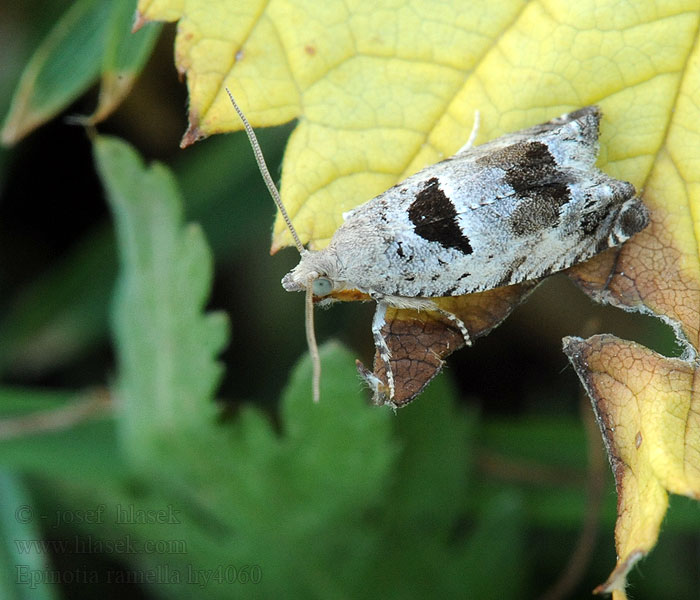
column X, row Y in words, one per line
column 386, row 87
column 657, row 272
column 159, row 10
column 649, row 415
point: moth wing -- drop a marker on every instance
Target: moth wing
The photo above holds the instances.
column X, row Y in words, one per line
column 575, row 135
column 518, row 208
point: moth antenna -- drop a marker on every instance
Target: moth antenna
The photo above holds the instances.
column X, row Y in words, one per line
column 266, row 176
column 309, row 305
column 311, row 341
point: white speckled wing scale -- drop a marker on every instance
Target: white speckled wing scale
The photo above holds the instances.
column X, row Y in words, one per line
column 520, row 207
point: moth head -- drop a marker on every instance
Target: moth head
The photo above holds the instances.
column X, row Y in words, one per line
column 316, row 270
column 311, row 274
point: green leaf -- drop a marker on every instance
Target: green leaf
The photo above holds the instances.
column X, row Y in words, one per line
column 19, row 562
column 339, row 494
column 47, row 433
column 303, row 504
column 65, row 65
column 431, row 430
column 425, row 503
column 92, row 38
column 166, row 347
column 494, row 555
column 341, row 425
column 546, row 456
column 125, row 54
column 57, row 316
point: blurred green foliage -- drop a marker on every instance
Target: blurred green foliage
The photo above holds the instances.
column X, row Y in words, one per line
column 479, row 489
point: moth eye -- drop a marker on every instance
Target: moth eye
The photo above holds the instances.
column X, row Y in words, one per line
column 322, row 286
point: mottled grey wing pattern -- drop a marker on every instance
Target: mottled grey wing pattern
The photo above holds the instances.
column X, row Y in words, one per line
column 517, row 208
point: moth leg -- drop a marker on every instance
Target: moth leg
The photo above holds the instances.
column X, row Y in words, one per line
column 384, row 353
column 415, row 304
column 472, row 135
column 457, row 322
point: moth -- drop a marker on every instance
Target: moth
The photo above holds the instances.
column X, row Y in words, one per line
column 510, row 211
